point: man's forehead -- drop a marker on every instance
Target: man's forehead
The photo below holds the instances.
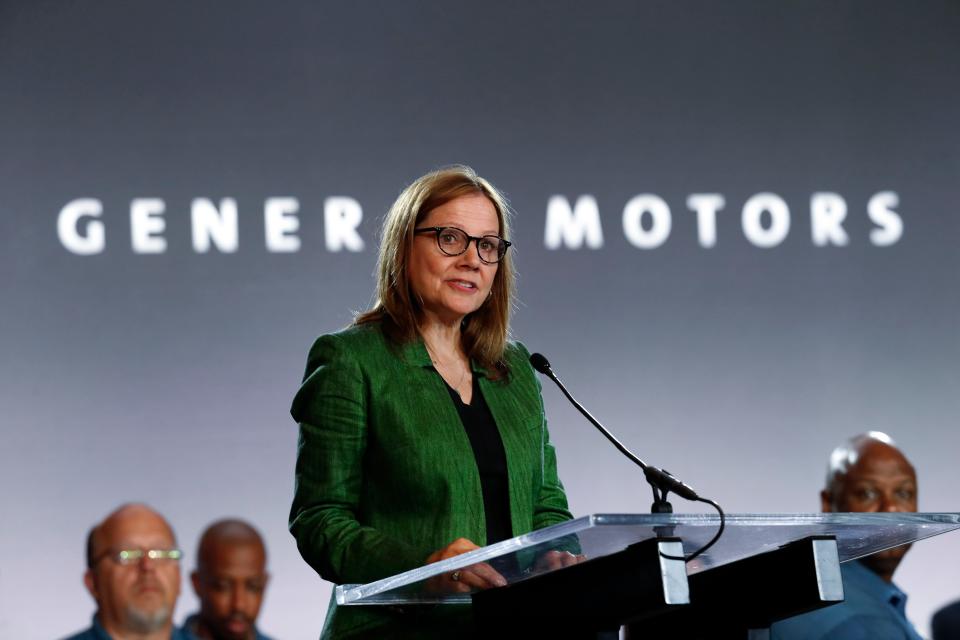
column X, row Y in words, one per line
column 878, row 459
column 135, row 526
column 236, row 555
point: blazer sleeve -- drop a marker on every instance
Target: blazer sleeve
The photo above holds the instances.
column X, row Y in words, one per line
column 551, row 505
column 331, row 407
column 550, row 502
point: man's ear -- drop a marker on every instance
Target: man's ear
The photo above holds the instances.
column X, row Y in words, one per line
column 90, row 583
column 826, row 501
column 195, row 581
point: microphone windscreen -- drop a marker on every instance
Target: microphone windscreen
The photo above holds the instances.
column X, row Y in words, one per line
column 540, row 363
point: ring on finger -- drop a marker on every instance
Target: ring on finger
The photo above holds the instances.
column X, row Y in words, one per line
column 455, row 576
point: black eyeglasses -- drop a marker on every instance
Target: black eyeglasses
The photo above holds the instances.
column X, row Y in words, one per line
column 453, row 242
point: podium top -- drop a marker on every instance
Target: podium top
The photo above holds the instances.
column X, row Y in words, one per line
column 598, row 535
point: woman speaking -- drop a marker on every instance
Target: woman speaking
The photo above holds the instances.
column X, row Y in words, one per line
column 422, row 431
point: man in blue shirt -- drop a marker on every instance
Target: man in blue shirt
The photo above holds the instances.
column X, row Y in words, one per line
column 230, row 581
column 133, row 573
column 866, row 474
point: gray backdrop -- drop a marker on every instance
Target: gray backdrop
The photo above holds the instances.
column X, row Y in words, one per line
column 166, row 377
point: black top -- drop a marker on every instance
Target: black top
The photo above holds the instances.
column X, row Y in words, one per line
column 491, row 461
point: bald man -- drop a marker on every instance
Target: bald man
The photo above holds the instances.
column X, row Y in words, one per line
column 868, row 473
column 230, row 581
column 133, row 574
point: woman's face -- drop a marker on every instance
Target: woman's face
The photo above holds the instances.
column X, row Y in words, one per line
column 450, row 287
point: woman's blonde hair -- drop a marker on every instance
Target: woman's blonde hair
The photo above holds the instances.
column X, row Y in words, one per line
column 484, row 332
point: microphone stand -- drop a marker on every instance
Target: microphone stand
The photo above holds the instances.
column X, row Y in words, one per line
column 661, row 481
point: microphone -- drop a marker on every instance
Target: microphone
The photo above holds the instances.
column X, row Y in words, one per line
column 541, row 364
column 658, row 478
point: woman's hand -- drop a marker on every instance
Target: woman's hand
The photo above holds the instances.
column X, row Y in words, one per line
column 552, row 560
column 467, row 579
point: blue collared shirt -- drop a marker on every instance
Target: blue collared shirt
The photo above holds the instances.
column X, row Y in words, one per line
column 97, row 632
column 872, row 610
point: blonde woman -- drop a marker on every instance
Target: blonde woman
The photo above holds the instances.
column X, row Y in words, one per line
column 422, row 432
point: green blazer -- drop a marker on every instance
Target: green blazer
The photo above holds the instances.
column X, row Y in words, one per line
column 385, row 472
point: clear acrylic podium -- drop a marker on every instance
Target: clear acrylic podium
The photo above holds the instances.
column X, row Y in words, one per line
column 764, row 568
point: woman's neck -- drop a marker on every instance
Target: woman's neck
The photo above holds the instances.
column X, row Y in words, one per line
column 442, row 338
column 446, row 352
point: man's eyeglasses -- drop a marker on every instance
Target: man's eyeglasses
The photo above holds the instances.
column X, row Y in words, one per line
column 125, row 557
column 453, row 242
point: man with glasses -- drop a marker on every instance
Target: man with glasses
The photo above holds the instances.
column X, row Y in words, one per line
column 133, row 572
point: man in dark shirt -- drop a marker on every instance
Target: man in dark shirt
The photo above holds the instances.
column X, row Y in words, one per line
column 133, row 572
column 946, row 622
column 230, row 581
column 866, row 474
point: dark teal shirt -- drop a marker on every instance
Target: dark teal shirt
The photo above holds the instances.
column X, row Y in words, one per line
column 190, row 625
column 97, row 632
column 872, row 609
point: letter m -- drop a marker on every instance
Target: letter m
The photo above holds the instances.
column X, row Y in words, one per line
column 571, row 228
